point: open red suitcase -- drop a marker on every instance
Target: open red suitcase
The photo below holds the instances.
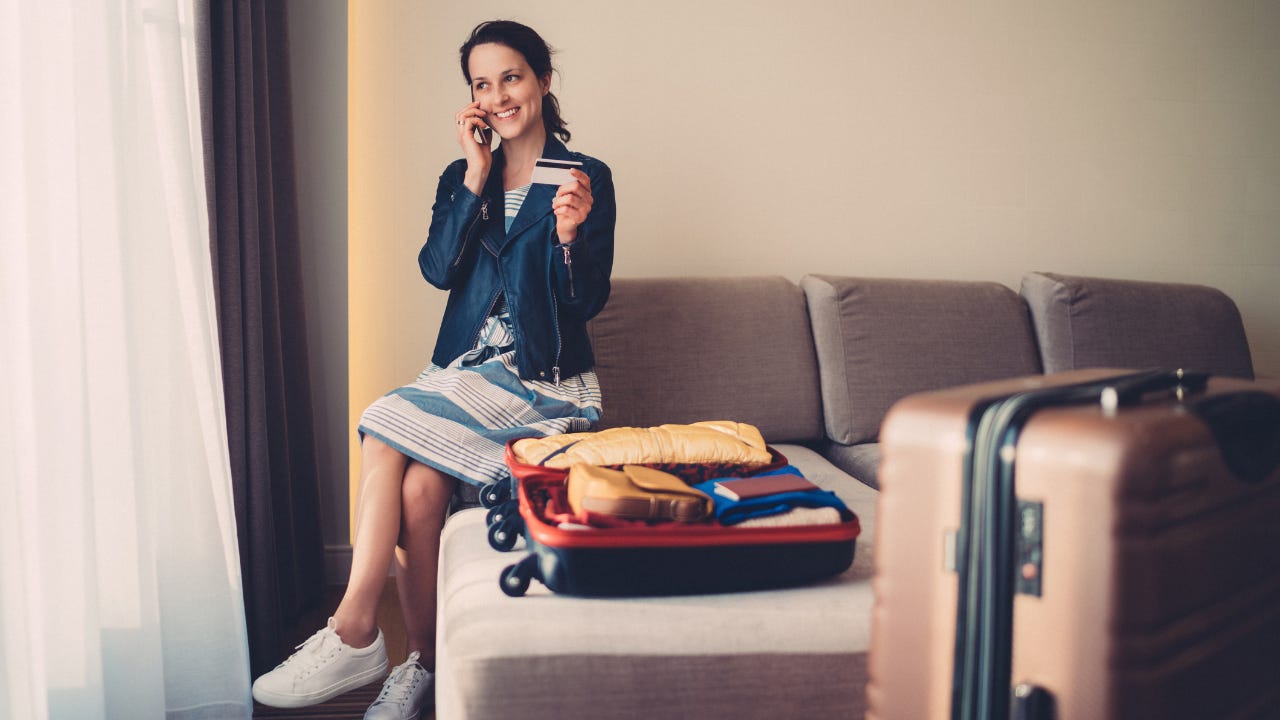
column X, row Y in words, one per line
column 1080, row 545
column 663, row 559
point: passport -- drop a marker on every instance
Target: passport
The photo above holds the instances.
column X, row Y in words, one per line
column 746, row 488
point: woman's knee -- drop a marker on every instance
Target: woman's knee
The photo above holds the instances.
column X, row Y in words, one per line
column 425, row 491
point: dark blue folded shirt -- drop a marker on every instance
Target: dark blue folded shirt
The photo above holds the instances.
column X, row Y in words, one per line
column 731, row 512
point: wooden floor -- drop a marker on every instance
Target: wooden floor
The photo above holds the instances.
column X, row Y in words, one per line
column 354, row 703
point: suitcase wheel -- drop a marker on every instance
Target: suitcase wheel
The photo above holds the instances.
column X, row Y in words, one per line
column 504, row 533
column 493, row 494
column 498, row 512
column 515, row 578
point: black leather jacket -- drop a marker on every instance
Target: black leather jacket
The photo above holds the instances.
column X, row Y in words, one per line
column 551, row 289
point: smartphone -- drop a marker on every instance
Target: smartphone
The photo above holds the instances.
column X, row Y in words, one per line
column 484, row 134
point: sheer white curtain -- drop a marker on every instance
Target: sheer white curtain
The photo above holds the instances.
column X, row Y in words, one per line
column 119, row 573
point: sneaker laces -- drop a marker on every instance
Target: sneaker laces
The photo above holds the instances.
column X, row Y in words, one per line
column 314, row 651
column 400, row 684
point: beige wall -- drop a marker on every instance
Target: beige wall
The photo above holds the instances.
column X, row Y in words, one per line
column 927, row 138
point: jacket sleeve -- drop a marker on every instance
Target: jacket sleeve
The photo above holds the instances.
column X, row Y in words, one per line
column 581, row 268
column 455, row 225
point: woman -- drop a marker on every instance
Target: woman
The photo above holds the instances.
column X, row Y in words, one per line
column 526, row 265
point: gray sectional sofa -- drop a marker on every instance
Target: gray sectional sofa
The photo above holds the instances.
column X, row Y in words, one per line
column 815, row 366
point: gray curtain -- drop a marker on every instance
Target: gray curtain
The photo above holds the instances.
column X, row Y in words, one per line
column 253, row 226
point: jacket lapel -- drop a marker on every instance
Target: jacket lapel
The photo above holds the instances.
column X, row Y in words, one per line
column 537, row 204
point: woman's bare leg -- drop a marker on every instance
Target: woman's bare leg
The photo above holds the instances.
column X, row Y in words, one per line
column 424, row 501
column 377, row 525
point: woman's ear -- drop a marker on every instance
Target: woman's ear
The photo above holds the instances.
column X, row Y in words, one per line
column 545, row 81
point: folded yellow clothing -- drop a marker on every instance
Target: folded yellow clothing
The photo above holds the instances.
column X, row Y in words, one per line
column 719, row 442
column 637, row 493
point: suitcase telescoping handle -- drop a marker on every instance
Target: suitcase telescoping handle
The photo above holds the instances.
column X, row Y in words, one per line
column 1129, row 390
column 986, row 542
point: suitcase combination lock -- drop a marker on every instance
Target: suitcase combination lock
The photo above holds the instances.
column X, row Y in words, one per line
column 1030, row 554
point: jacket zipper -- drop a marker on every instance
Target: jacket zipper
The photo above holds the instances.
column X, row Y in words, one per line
column 555, row 321
column 568, row 265
column 485, row 318
column 466, row 237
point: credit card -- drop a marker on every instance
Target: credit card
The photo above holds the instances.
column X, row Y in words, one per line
column 553, row 172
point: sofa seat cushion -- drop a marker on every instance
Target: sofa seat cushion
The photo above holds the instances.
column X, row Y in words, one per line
column 794, row 652
column 1085, row 322
column 861, row 461
column 879, row 340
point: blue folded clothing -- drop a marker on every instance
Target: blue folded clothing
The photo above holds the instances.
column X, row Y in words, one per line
column 731, row 512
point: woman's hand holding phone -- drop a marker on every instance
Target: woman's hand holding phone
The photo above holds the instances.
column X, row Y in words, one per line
column 571, row 206
column 472, row 128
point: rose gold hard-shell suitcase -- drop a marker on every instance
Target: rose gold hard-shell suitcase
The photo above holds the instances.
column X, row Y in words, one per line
column 1094, row 544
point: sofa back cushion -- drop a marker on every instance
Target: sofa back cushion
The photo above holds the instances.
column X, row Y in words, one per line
column 880, row 340
column 1084, row 322
column 681, row 350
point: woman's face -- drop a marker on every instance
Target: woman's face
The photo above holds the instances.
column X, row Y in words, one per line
column 507, row 89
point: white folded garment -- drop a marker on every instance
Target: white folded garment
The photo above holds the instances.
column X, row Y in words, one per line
column 795, row 517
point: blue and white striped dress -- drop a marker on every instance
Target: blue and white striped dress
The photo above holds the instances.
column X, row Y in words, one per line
column 457, row 419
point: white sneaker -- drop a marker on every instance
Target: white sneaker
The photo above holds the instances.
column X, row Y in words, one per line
column 323, row 667
column 409, row 688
